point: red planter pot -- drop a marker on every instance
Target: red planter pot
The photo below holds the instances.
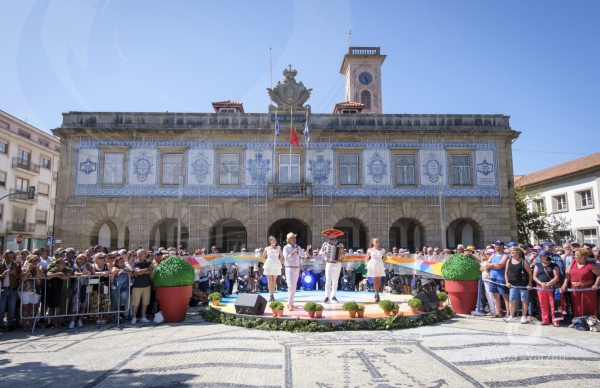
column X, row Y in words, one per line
column 174, row 302
column 463, row 295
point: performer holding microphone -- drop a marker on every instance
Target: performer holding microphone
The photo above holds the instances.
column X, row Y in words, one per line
column 291, row 255
column 333, row 252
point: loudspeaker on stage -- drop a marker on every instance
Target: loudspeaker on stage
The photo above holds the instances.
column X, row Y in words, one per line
column 250, row 304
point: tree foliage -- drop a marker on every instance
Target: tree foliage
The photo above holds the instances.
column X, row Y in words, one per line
column 536, row 222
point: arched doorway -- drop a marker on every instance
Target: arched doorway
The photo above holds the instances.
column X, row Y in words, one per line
column 355, row 233
column 281, row 228
column 228, row 235
column 406, row 233
column 106, row 233
column 164, row 234
column 464, row 231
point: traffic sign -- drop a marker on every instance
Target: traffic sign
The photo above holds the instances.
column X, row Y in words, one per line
column 19, row 239
column 49, row 241
column 57, row 241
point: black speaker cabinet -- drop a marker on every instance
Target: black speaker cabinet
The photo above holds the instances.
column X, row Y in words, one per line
column 250, row 304
column 430, row 301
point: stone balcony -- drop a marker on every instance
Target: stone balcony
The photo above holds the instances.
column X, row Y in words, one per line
column 25, row 166
column 17, row 226
column 291, row 191
column 22, row 196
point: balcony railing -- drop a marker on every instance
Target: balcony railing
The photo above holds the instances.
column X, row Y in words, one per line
column 363, row 50
column 290, row 190
column 18, row 195
column 25, row 165
column 18, row 226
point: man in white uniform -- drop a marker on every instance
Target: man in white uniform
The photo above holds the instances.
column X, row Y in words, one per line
column 291, row 256
column 333, row 253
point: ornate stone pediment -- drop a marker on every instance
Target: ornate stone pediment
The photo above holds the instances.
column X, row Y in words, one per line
column 289, row 93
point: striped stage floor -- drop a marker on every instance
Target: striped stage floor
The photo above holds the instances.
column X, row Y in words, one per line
column 331, row 310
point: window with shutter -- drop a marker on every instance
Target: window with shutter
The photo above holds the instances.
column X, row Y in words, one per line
column 43, row 189
column 584, row 199
column 113, row 169
column 461, row 170
column 19, row 215
column 289, row 168
column 405, row 169
column 171, row 169
column 349, row 169
column 2, row 179
column 40, row 217
column 229, row 168
column 559, row 203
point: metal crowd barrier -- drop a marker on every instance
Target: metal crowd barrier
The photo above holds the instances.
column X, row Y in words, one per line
column 75, row 288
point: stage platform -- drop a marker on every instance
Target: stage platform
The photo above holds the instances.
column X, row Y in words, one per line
column 332, row 311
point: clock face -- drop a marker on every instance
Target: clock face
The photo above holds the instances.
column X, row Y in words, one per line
column 365, row 78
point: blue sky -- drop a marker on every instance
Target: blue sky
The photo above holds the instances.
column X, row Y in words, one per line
column 536, row 61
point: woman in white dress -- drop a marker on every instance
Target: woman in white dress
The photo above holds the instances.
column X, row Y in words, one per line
column 374, row 262
column 272, row 267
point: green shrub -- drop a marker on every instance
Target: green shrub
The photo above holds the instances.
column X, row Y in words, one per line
column 350, row 306
column 214, row 296
column 274, row 304
column 310, row 306
column 279, row 306
column 442, row 296
column 415, row 303
column 396, row 307
column 386, row 304
column 361, row 307
column 461, row 267
column 319, row 307
column 174, row 272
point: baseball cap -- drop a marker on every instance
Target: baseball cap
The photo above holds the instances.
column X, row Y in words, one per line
column 537, row 248
column 548, row 243
column 156, row 253
column 499, row 242
column 544, row 252
column 59, row 251
column 512, row 244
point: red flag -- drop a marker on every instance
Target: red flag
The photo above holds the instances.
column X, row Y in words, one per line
column 293, row 134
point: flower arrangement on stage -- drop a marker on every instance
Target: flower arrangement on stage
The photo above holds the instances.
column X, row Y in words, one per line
column 351, row 307
column 387, row 306
column 215, row 297
column 273, row 306
column 303, row 325
column 442, row 296
column 318, row 310
column 310, row 308
column 415, row 304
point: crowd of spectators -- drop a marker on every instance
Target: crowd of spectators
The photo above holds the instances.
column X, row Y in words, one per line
column 101, row 286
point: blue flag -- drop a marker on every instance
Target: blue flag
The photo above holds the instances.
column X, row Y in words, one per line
column 276, row 126
column 306, row 133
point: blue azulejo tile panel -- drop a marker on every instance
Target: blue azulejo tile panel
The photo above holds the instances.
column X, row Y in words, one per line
column 200, row 167
column 257, row 164
column 88, row 166
column 320, row 167
column 376, row 167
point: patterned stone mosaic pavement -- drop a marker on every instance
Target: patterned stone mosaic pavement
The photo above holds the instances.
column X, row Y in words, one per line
column 462, row 352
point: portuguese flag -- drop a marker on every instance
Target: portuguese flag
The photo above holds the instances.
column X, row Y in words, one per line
column 293, row 134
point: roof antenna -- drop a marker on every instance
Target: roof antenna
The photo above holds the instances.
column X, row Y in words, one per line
column 350, row 39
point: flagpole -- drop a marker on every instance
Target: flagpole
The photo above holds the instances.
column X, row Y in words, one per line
column 274, row 143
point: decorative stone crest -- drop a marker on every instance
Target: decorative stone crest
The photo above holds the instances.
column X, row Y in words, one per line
column 200, row 167
column 258, row 168
column 142, row 167
column 88, row 166
column 377, row 167
column 289, row 93
column 320, row 169
column 432, row 168
column 485, row 168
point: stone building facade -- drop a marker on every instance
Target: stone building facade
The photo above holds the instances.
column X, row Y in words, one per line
column 411, row 180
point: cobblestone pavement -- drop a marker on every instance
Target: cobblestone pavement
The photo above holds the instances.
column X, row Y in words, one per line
column 463, row 352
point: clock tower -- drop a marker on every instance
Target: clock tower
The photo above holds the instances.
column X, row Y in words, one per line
column 362, row 70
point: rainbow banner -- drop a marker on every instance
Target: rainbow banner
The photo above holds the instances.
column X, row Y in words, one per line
column 410, row 262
